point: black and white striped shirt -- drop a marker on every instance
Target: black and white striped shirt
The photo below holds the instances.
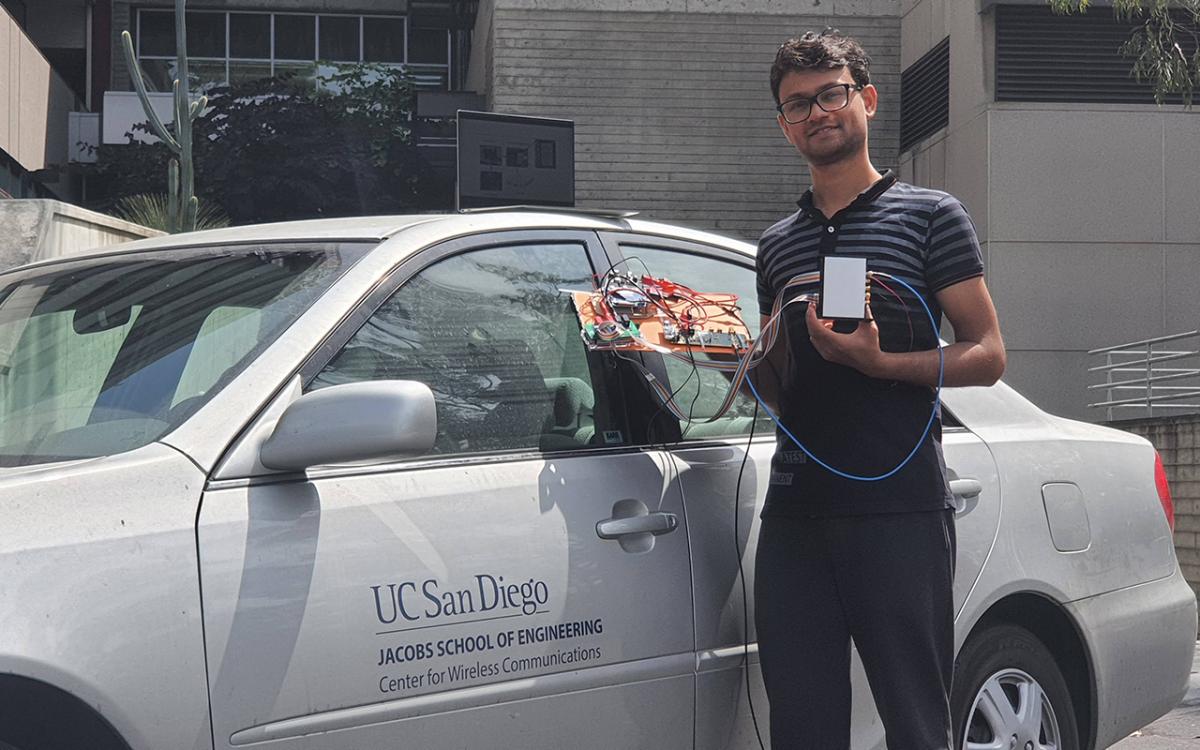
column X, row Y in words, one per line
column 858, row 424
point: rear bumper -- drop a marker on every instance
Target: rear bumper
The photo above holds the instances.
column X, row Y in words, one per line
column 1140, row 640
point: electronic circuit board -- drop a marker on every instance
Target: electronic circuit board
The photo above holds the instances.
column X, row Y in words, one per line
column 640, row 314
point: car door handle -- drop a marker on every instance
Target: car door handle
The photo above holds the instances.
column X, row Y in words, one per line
column 655, row 523
column 966, row 488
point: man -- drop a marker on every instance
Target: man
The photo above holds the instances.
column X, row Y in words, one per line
column 841, row 558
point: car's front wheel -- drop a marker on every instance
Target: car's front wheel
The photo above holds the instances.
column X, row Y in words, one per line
column 1009, row 694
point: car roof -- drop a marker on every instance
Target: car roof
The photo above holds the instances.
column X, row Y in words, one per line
column 379, row 228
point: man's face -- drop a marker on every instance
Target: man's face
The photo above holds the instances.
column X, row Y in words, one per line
column 827, row 137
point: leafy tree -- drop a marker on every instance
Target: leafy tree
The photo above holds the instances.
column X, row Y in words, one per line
column 1165, row 45
column 276, row 149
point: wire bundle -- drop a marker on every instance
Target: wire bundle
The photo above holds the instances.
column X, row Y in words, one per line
column 654, row 292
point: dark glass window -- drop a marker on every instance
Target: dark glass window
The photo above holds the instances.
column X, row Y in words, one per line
column 159, row 74
column 157, row 30
column 699, row 391
column 206, row 34
column 205, row 75
column 383, row 39
column 250, row 36
column 429, row 46
column 241, row 72
column 340, row 38
column 295, row 37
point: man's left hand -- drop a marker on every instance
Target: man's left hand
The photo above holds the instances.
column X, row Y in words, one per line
column 859, row 349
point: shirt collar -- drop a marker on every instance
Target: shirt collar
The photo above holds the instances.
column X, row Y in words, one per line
column 885, row 181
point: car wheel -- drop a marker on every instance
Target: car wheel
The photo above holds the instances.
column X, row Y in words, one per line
column 1008, row 694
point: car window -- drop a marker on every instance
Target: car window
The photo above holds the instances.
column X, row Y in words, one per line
column 103, row 355
column 226, row 335
column 495, row 337
column 700, row 392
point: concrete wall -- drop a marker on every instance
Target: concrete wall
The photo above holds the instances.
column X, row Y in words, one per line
column 671, row 100
column 41, row 229
column 34, row 101
column 1087, row 213
column 1094, row 236
column 1178, row 442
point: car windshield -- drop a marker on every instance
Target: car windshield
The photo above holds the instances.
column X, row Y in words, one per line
column 104, row 355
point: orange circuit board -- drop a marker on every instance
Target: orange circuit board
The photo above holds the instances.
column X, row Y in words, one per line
column 650, row 313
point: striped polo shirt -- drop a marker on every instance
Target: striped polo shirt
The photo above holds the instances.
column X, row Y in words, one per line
column 863, row 425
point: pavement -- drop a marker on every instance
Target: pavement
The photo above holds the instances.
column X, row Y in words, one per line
column 1177, row 730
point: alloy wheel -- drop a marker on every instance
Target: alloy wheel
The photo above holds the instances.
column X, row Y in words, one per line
column 1012, row 712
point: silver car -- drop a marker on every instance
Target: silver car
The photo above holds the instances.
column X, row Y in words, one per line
column 359, row 484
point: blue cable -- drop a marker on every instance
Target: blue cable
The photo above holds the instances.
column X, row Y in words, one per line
column 937, row 400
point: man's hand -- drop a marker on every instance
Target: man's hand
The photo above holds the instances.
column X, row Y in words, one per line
column 977, row 357
column 859, row 349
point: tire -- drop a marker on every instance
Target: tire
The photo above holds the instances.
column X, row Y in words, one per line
column 1008, row 692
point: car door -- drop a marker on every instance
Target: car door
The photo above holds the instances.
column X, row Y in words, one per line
column 480, row 595
column 710, row 461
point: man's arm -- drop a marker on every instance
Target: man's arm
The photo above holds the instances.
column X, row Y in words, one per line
column 768, row 375
column 976, row 358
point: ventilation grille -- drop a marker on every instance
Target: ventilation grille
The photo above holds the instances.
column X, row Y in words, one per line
column 1044, row 57
column 925, row 95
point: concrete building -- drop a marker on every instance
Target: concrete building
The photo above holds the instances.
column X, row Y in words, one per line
column 40, row 97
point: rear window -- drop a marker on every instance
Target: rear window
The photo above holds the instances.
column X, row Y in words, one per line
column 105, row 355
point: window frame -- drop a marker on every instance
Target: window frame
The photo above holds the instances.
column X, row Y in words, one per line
column 615, row 244
column 606, row 380
column 430, row 71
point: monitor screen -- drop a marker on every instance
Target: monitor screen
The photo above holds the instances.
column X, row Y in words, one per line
column 514, row 160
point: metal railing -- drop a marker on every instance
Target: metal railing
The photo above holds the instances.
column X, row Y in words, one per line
column 1145, row 359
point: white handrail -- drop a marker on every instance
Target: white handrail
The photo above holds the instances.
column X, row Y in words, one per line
column 1144, row 359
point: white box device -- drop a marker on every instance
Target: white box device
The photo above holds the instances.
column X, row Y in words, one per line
column 843, row 288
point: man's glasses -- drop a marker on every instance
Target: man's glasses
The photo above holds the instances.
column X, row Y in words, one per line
column 830, row 100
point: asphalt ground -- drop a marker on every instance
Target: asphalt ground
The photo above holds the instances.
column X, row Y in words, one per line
column 1177, row 730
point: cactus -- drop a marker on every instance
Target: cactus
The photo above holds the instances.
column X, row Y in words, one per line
column 183, row 204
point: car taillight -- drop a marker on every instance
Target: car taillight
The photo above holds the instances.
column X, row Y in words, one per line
column 1164, row 490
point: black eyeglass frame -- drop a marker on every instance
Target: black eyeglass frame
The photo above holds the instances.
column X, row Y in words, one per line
column 846, row 87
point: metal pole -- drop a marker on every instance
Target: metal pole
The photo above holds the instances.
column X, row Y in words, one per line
column 1108, row 381
column 1149, row 387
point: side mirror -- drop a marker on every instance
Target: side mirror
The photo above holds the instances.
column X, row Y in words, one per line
column 374, row 420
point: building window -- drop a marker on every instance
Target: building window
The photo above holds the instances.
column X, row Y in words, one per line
column 1044, row 57
column 233, row 47
column 925, row 95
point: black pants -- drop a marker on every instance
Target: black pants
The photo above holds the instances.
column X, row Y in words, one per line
column 884, row 580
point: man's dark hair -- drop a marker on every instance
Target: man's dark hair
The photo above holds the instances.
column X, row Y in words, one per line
column 827, row 50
